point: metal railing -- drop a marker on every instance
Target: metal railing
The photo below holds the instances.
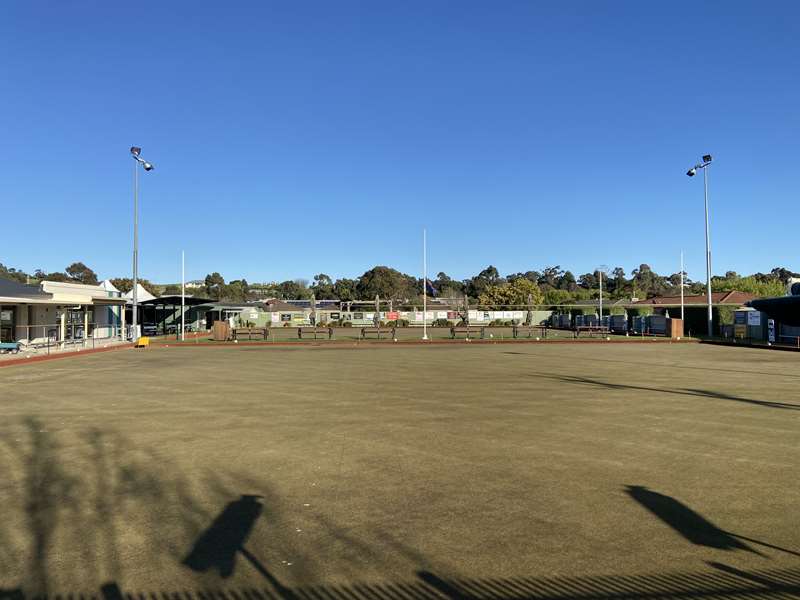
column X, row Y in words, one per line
column 48, row 336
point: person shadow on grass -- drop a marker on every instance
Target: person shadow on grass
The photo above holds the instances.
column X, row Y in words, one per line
column 693, row 526
column 217, row 546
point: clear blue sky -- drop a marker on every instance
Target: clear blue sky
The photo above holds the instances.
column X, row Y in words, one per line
column 552, row 132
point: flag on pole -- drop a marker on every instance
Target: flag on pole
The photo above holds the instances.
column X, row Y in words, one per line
column 429, row 287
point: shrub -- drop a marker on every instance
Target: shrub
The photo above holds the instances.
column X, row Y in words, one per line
column 441, row 323
column 725, row 314
column 501, row 323
column 397, row 323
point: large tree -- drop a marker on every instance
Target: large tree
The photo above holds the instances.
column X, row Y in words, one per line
column 477, row 285
column 323, row 287
column 345, row 289
column 515, row 293
column 447, row 287
column 12, row 273
column 387, row 283
column 79, row 272
column 125, row 285
column 550, row 277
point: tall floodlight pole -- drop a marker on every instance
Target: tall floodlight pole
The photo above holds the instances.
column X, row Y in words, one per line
column 682, row 287
column 600, row 271
column 424, row 284
column 691, row 173
column 183, row 294
column 136, row 154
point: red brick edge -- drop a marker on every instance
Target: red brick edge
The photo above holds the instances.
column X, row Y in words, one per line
column 26, row 360
column 387, row 343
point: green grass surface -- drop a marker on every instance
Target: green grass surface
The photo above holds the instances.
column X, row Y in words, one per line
column 403, row 471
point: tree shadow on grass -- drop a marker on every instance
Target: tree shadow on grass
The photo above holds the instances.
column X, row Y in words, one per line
column 96, row 486
column 681, row 392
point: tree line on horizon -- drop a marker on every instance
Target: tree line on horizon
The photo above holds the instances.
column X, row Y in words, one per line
column 549, row 286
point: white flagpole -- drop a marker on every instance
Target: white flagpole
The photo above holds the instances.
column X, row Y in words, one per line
column 682, row 287
column 424, row 284
column 183, row 294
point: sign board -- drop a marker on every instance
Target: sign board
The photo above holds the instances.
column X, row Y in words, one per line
column 286, row 317
column 441, row 314
column 452, row 315
column 771, row 330
column 334, row 316
column 754, row 318
column 6, row 315
column 393, row 315
column 369, row 316
column 740, row 317
column 418, row 316
column 740, row 331
column 358, row 316
column 275, row 317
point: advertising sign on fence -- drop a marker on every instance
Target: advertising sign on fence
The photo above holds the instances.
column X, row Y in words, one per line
column 754, row 318
column 771, row 330
column 393, row 315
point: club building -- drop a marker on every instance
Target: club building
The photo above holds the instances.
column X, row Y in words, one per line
column 59, row 313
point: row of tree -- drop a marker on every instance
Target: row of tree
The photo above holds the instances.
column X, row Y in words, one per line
column 551, row 285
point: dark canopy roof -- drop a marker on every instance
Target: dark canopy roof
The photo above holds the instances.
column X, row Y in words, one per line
column 175, row 300
column 784, row 309
column 15, row 289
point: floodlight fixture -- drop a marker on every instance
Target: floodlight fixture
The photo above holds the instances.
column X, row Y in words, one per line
column 707, row 158
column 136, row 152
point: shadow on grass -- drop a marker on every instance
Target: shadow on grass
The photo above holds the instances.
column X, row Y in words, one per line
column 693, row 526
column 720, row 581
column 97, row 487
column 681, row 392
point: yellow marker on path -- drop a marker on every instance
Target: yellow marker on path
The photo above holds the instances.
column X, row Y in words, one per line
column 142, row 342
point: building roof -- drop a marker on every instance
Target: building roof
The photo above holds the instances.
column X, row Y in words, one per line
column 13, row 291
column 280, row 306
column 728, row 298
column 142, row 295
column 175, row 300
column 784, row 309
column 607, row 302
column 71, row 292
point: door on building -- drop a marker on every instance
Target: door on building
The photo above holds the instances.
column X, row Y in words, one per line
column 7, row 322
